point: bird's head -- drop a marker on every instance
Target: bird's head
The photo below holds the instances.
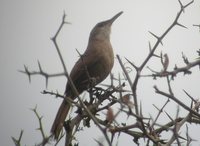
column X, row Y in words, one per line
column 102, row 29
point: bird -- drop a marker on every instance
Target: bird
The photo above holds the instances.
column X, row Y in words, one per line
column 95, row 63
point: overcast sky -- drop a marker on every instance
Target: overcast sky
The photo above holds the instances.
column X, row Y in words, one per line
column 26, row 28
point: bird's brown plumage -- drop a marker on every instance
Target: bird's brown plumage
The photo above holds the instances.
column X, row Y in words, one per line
column 97, row 60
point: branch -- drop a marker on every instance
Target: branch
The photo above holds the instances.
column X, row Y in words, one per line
column 40, row 72
column 45, row 139
column 159, row 112
column 177, row 70
column 177, row 101
column 180, row 124
column 130, row 83
column 17, row 142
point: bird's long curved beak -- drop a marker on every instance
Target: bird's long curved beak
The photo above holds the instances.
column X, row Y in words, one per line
column 114, row 17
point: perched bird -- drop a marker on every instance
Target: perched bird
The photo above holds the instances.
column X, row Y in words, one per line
column 97, row 62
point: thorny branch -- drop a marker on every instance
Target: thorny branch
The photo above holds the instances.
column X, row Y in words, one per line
column 185, row 70
column 17, row 142
column 151, row 53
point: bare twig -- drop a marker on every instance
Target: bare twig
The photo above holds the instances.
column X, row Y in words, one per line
column 176, row 100
column 130, row 83
column 180, row 124
column 41, row 72
column 45, row 139
column 185, row 70
column 159, row 112
column 17, row 142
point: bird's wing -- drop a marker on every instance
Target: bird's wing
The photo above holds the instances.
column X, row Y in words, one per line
column 79, row 73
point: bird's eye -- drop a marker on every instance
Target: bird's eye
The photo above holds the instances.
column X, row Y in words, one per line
column 101, row 24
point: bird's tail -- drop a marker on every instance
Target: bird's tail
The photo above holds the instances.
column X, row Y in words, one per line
column 60, row 119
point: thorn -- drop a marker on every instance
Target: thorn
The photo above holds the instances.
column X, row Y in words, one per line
column 198, row 51
column 185, row 59
column 175, row 67
column 189, row 96
column 78, row 52
column 156, row 88
column 52, row 38
column 150, row 47
column 28, row 73
column 158, row 38
column 98, row 142
column 57, row 93
column 161, row 57
column 191, row 105
column 153, row 34
column 141, row 109
column 132, row 64
column 21, row 71
column 189, row 3
column 156, row 55
column 46, row 81
column 169, row 116
column 156, row 107
column 34, row 109
column 181, row 25
column 40, row 68
column 67, row 22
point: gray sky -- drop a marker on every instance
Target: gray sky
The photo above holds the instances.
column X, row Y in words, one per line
column 25, row 31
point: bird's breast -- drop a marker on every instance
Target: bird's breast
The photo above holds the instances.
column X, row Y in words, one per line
column 103, row 57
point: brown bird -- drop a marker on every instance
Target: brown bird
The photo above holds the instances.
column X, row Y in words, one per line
column 97, row 61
